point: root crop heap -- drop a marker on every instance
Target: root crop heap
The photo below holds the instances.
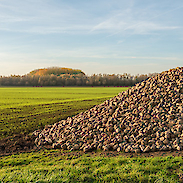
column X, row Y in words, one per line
column 146, row 117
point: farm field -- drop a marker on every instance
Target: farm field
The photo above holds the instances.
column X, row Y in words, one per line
column 27, row 109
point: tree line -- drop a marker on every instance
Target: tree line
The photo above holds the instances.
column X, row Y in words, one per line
column 74, row 80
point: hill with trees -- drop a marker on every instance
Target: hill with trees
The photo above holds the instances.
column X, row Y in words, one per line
column 55, row 71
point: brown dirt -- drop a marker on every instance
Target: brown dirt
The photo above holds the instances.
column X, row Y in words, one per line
column 16, row 144
column 25, row 143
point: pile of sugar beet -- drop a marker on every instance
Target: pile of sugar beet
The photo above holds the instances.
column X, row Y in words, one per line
column 147, row 117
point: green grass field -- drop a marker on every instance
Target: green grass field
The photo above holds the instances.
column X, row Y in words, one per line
column 50, row 166
column 26, row 109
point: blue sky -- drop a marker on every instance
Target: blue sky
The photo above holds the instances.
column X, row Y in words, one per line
column 98, row 36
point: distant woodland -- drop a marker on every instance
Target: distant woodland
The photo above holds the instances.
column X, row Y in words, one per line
column 57, row 76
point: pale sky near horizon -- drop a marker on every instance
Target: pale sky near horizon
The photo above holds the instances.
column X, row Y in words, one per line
column 99, row 36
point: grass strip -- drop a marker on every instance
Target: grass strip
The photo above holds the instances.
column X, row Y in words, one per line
column 47, row 166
